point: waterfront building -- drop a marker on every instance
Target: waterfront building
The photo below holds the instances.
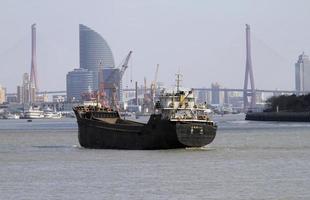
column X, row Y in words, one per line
column 26, row 89
column 259, row 97
column 79, row 81
column 209, row 97
column 202, row 96
column 95, row 53
column 42, row 98
column 19, row 96
column 59, row 98
column 11, row 99
column 302, row 73
column 226, row 97
column 215, row 93
column 236, row 100
column 2, row 95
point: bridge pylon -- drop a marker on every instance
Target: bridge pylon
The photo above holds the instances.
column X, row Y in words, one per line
column 248, row 103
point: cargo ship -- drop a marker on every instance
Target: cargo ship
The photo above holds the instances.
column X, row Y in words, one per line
column 177, row 122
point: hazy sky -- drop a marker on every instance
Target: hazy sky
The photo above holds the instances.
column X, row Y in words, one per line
column 203, row 39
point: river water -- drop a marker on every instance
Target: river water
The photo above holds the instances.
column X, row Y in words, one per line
column 247, row 160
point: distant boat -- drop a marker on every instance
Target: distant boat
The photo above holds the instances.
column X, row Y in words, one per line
column 49, row 114
column 34, row 113
column 11, row 116
column 52, row 115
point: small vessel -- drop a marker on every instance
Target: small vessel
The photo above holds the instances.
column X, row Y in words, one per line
column 177, row 122
column 11, row 116
column 34, row 113
column 50, row 114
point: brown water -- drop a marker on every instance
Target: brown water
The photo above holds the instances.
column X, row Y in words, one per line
column 247, row 160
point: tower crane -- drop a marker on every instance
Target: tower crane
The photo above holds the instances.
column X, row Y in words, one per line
column 112, row 86
column 125, row 64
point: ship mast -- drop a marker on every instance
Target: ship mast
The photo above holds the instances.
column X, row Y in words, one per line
column 178, row 80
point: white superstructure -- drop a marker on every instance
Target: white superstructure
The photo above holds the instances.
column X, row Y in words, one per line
column 11, row 116
column 33, row 113
column 50, row 114
column 181, row 106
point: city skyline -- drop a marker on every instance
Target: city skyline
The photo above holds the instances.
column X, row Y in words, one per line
column 192, row 37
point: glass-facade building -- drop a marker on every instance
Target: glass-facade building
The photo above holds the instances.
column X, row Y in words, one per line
column 95, row 56
column 79, row 81
column 95, row 52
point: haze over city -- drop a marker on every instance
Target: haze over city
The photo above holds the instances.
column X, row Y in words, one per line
column 205, row 40
column 154, row 99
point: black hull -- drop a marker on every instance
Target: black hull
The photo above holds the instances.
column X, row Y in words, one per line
column 279, row 116
column 156, row 134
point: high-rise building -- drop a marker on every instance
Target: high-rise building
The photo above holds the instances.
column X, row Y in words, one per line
column 25, row 92
column 202, row 96
column 2, row 95
column 95, row 53
column 96, row 63
column 79, row 81
column 302, row 73
column 19, row 97
column 26, row 89
column 215, row 93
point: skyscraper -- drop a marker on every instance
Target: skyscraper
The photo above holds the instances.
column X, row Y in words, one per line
column 202, row 96
column 96, row 59
column 215, row 93
column 26, row 88
column 302, row 73
column 19, row 98
column 79, row 81
column 95, row 53
column 24, row 91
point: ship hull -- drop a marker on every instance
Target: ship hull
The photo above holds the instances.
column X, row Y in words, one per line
column 156, row 134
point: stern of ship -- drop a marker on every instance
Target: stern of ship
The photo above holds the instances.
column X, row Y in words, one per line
column 195, row 134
